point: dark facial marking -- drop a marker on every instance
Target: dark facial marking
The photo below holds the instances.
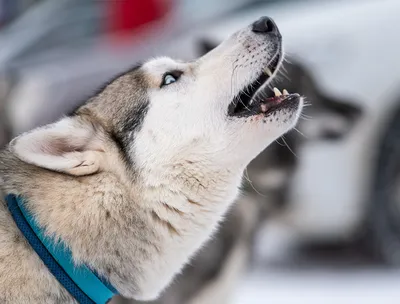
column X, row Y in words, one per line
column 121, row 106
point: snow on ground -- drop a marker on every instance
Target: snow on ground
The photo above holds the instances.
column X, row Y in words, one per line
column 368, row 286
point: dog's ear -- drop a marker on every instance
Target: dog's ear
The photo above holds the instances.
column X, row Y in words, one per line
column 70, row 145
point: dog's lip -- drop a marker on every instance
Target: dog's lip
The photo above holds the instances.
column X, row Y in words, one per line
column 274, row 103
column 268, row 106
column 265, row 101
column 255, row 90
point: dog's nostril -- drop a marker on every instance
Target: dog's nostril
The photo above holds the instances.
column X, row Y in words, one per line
column 270, row 25
column 265, row 25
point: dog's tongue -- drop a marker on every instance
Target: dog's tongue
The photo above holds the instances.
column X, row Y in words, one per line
column 279, row 97
column 270, row 102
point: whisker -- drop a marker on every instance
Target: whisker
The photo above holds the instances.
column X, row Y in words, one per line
column 246, row 176
column 289, row 147
column 300, row 132
column 287, row 56
column 306, row 116
column 277, row 141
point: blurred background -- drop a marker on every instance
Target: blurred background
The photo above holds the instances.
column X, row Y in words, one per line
column 319, row 218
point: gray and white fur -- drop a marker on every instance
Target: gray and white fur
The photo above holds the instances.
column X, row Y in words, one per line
column 138, row 178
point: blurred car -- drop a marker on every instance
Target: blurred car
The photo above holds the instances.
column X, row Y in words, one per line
column 344, row 188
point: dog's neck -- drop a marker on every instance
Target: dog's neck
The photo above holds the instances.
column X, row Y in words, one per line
column 136, row 235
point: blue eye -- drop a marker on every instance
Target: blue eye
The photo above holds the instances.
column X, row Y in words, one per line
column 171, row 77
column 168, row 79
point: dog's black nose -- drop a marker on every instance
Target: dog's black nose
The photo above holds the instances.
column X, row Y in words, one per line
column 266, row 25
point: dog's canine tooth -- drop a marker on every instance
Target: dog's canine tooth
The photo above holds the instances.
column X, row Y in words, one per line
column 268, row 72
column 285, row 92
column 277, row 92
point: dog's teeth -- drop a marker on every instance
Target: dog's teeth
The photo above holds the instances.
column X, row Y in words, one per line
column 277, row 92
column 285, row 92
column 268, row 72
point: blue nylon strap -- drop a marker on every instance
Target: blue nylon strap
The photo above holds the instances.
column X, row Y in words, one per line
column 81, row 282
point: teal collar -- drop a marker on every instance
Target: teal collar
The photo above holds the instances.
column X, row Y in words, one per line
column 80, row 281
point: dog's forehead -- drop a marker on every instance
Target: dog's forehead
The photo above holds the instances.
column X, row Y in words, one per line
column 161, row 65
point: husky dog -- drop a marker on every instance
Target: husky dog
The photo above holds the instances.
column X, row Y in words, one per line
column 212, row 274
column 138, row 178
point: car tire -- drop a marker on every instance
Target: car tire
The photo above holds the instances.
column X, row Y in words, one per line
column 383, row 232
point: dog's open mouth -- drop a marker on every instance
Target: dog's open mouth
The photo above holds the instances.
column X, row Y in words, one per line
column 259, row 98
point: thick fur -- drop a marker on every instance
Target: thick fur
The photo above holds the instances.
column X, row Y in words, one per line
column 212, row 274
column 138, row 178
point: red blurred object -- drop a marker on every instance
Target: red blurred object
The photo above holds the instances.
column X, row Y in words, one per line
column 126, row 17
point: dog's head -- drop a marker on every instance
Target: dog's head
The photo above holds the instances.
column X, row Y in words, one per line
column 331, row 118
column 327, row 119
column 166, row 112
